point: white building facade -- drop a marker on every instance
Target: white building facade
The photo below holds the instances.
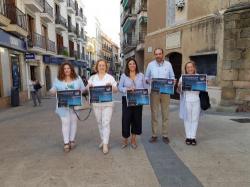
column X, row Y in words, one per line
column 36, row 37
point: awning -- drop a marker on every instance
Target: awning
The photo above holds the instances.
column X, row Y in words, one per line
column 128, row 24
column 143, row 19
column 125, row 4
column 47, row 59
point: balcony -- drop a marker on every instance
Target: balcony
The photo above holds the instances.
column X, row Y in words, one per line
column 127, row 16
column 140, row 41
column 129, row 44
column 36, row 43
column 84, row 20
column 61, row 23
column 51, row 46
column 18, row 23
column 61, row 50
column 4, row 21
column 80, row 36
column 34, row 5
column 47, row 14
column 70, row 7
column 72, row 31
column 142, row 7
column 79, row 15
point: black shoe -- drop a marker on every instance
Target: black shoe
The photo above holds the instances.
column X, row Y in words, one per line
column 188, row 141
column 193, row 142
column 153, row 139
column 165, row 140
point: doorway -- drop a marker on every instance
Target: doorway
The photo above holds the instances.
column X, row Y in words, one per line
column 176, row 61
column 47, row 78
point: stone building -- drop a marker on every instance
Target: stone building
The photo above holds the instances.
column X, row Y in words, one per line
column 215, row 34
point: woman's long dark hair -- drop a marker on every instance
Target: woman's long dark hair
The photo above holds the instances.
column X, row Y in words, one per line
column 127, row 72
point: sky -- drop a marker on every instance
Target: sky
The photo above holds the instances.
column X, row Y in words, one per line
column 108, row 14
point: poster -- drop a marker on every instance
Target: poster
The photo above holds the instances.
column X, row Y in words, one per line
column 194, row 82
column 137, row 97
column 69, row 98
column 100, row 94
column 163, row 86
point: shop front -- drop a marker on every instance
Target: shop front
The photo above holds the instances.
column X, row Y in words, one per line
column 12, row 69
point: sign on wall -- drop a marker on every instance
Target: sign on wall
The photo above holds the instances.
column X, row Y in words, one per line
column 173, row 40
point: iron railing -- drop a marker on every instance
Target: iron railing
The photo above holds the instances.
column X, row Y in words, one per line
column 48, row 9
column 16, row 16
column 61, row 20
column 36, row 40
column 71, row 4
column 141, row 37
column 51, row 46
column 61, row 50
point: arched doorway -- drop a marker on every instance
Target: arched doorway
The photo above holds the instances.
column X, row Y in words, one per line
column 48, row 78
column 176, row 60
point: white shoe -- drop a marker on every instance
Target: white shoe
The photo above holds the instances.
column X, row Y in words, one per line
column 105, row 149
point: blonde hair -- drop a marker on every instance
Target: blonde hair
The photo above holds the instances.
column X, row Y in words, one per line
column 190, row 62
column 97, row 63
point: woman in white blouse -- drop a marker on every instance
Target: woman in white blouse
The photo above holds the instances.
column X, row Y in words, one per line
column 189, row 107
column 103, row 111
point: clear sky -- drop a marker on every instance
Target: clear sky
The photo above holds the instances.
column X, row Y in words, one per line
column 108, row 13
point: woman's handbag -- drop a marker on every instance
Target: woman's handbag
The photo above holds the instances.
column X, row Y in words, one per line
column 204, row 100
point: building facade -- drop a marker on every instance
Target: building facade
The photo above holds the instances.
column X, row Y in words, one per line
column 44, row 34
column 133, row 30
column 215, row 36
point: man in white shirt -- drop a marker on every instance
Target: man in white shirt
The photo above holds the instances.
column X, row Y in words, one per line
column 159, row 68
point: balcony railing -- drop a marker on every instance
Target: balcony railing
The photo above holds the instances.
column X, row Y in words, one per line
column 40, row 2
column 16, row 16
column 71, row 4
column 51, row 46
column 125, row 15
column 61, row 50
column 61, row 20
column 48, row 9
column 71, row 28
column 79, row 13
column 36, row 40
column 142, row 6
column 141, row 37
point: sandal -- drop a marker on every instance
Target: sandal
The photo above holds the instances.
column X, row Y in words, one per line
column 188, row 141
column 193, row 142
column 66, row 148
column 72, row 144
column 134, row 145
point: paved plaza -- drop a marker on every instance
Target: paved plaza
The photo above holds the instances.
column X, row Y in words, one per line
column 31, row 152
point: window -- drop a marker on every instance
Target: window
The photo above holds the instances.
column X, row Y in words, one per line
column 206, row 64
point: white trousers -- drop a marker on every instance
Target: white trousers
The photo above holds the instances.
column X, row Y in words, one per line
column 69, row 126
column 192, row 118
column 103, row 116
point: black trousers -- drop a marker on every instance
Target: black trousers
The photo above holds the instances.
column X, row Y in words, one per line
column 131, row 119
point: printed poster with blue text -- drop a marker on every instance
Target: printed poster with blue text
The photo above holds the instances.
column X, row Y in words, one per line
column 194, row 82
column 137, row 97
column 163, row 86
column 69, row 98
column 100, row 94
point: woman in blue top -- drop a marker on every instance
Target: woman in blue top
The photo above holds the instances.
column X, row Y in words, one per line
column 132, row 115
column 67, row 80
